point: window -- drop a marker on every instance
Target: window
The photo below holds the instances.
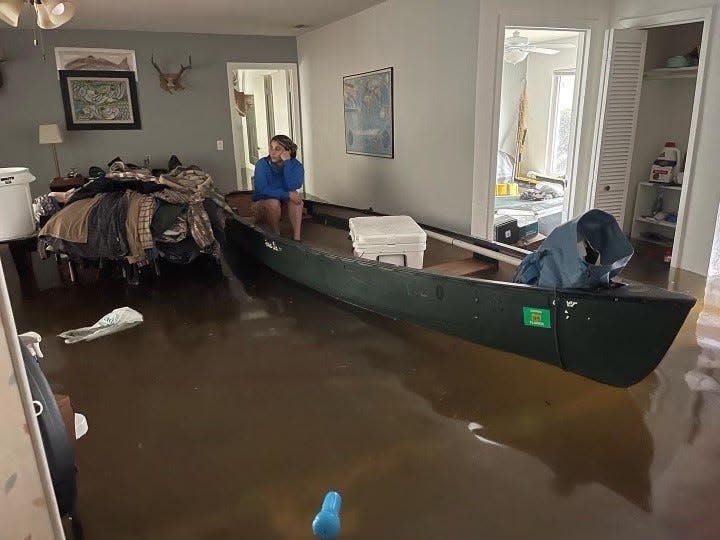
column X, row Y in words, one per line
column 561, row 106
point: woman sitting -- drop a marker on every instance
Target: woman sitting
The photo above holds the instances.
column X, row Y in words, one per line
column 277, row 179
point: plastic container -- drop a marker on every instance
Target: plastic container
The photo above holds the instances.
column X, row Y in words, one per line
column 395, row 240
column 502, row 190
column 665, row 167
column 16, row 213
column 678, row 62
column 81, row 425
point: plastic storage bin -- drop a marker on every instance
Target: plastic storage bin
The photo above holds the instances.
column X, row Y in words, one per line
column 16, row 213
column 390, row 239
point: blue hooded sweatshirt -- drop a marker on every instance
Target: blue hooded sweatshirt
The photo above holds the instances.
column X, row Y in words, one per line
column 273, row 182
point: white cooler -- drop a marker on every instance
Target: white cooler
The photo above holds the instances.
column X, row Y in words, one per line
column 16, row 214
column 391, row 239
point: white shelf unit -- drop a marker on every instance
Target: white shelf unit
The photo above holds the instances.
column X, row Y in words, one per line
column 672, row 73
column 662, row 232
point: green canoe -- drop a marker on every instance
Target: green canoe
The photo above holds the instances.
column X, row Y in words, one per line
column 615, row 336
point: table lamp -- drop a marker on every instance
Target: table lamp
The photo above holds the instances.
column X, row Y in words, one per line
column 50, row 134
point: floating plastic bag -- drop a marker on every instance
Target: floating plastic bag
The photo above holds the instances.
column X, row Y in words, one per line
column 116, row 321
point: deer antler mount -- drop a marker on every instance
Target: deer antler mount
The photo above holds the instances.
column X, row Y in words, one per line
column 171, row 81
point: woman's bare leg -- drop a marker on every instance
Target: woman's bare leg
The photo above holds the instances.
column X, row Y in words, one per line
column 294, row 212
column 269, row 211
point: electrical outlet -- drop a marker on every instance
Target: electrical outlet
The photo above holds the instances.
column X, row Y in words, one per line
column 220, row 145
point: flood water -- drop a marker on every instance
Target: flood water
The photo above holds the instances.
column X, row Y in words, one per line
column 238, row 403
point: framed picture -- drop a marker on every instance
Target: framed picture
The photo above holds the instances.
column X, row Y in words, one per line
column 100, row 99
column 368, row 104
column 81, row 58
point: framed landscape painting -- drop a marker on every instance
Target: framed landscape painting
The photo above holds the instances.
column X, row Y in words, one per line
column 368, row 104
column 100, row 99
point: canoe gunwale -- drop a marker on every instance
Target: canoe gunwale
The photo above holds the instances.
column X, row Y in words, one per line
column 625, row 286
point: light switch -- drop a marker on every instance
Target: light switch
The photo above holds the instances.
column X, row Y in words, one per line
column 220, row 145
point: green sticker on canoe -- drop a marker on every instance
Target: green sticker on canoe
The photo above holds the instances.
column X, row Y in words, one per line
column 539, row 318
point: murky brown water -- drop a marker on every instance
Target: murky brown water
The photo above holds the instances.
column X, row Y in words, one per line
column 234, row 407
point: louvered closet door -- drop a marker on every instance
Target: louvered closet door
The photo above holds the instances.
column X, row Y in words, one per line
column 619, row 103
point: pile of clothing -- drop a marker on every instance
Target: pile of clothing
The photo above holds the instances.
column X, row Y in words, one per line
column 543, row 191
column 129, row 215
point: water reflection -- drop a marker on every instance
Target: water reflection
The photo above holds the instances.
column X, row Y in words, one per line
column 686, row 495
column 583, row 431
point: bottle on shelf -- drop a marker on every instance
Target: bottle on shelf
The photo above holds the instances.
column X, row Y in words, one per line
column 664, row 169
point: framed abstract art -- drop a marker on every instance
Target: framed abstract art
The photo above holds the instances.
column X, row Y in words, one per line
column 100, row 99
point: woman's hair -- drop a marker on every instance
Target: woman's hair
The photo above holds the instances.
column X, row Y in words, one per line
column 286, row 143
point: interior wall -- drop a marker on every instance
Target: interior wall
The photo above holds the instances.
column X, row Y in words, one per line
column 432, row 47
column 186, row 123
column 665, row 106
column 514, row 77
column 703, row 188
column 494, row 15
column 540, row 70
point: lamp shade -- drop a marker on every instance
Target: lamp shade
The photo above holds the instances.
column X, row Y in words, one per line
column 10, row 11
column 50, row 133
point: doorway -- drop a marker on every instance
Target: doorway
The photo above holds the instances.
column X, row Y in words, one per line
column 654, row 77
column 537, row 132
column 262, row 104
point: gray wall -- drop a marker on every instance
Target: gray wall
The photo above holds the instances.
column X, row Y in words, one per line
column 186, row 123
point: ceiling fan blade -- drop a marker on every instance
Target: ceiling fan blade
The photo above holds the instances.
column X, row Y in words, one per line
column 560, row 45
column 518, row 47
column 541, row 50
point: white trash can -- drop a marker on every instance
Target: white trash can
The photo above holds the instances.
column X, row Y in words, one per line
column 395, row 240
column 16, row 214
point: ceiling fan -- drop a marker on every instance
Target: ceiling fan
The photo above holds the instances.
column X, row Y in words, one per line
column 50, row 13
column 518, row 47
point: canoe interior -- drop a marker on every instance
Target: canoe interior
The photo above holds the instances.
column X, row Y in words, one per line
column 325, row 227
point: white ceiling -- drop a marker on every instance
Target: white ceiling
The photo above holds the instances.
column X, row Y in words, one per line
column 251, row 17
column 543, row 36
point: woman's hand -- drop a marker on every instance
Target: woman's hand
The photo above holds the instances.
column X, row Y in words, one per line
column 285, row 155
column 295, row 198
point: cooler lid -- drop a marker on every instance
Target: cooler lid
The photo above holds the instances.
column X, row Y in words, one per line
column 15, row 175
column 385, row 230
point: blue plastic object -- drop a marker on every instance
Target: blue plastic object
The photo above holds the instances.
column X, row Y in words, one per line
column 326, row 524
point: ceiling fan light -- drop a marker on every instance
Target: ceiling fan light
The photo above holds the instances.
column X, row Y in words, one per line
column 515, row 56
column 10, row 11
column 44, row 20
column 62, row 12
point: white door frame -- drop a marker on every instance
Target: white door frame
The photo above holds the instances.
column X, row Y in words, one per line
column 25, row 449
column 704, row 15
column 294, row 101
column 484, row 174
